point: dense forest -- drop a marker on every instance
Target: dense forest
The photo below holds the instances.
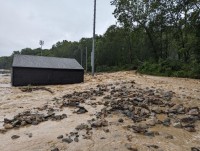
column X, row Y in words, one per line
column 158, row 37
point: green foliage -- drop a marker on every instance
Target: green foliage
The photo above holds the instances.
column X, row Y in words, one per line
column 105, row 68
column 164, row 22
column 171, row 68
column 5, row 62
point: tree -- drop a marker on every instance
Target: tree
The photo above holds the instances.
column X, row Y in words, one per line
column 133, row 14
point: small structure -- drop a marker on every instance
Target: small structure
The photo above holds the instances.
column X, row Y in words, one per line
column 38, row 70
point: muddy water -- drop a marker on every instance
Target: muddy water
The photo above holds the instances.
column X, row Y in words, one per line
column 13, row 101
column 4, row 80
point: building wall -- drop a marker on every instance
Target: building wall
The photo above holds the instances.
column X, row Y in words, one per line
column 34, row 76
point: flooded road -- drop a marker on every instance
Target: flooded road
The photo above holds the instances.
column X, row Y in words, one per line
column 115, row 136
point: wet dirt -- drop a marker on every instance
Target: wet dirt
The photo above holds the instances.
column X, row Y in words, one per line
column 44, row 135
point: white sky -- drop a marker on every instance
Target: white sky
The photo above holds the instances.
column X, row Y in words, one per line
column 24, row 22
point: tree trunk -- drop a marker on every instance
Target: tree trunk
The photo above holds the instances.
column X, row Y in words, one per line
column 152, row 43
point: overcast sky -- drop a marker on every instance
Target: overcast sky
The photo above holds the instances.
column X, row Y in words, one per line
column 24, row 22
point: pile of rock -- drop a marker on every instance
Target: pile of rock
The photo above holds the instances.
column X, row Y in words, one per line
column 144, row 105
column 29, row 118
column 74, row 136
column 69, row 100
column 80, row 97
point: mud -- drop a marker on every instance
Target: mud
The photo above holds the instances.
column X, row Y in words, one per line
column 44, row 135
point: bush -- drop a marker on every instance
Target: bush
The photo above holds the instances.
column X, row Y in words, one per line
column 105, row 68
column 171, row 68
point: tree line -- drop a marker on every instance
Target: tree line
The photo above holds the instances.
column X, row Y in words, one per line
column 159, row 37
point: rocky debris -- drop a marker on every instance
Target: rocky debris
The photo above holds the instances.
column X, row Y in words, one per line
column 29, row 118
column 55, row 149
column 29, row 135
column 120, row 120
column 167, row 122
column 157, row 110
column 92, row 98
column 194, row 111
column 58, row 117
column 107, row 97
column 81, row 110
column 67, row 140
column 187, row 119
column 60, row 137
column 151, row 122
column 188, row 123
column 190, row 128
column 195, row 149
column 153, row 146
column 168, row 136
column 72, row 136
column 70, row 103
column 130, row 147
column 143, row 106
column 3, row 131
column 86, row 136
column 168, row 95
column 6, row 121
column 142, row 129
column 151, row 133
column 31, row 89
column 106, row 130
column 76, row 139
column 99, row 123
column 144, row 112
column 80, row 97
column 75, row 135
column 8, row 126
column 82, row 126
column 177, row 109
column 177, row 124
column 129, row 138
column 15, row 136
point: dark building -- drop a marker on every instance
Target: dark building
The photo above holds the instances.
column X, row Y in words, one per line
column 38, row 70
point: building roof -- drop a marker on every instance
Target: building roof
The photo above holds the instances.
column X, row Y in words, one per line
column 28, row 61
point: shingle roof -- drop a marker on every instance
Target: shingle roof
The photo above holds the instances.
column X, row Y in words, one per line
column 28, row 61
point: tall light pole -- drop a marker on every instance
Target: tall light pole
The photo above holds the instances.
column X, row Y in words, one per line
column 93, row 43
column 41, row 42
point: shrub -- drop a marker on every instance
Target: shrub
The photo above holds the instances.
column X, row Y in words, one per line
column 171, row 68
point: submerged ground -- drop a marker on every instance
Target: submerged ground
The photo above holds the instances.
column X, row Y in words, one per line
column 112, row 111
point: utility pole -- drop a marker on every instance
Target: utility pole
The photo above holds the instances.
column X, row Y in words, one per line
column 81, row 58
column 93, row 43
column 86, row 59
column 41, row 42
